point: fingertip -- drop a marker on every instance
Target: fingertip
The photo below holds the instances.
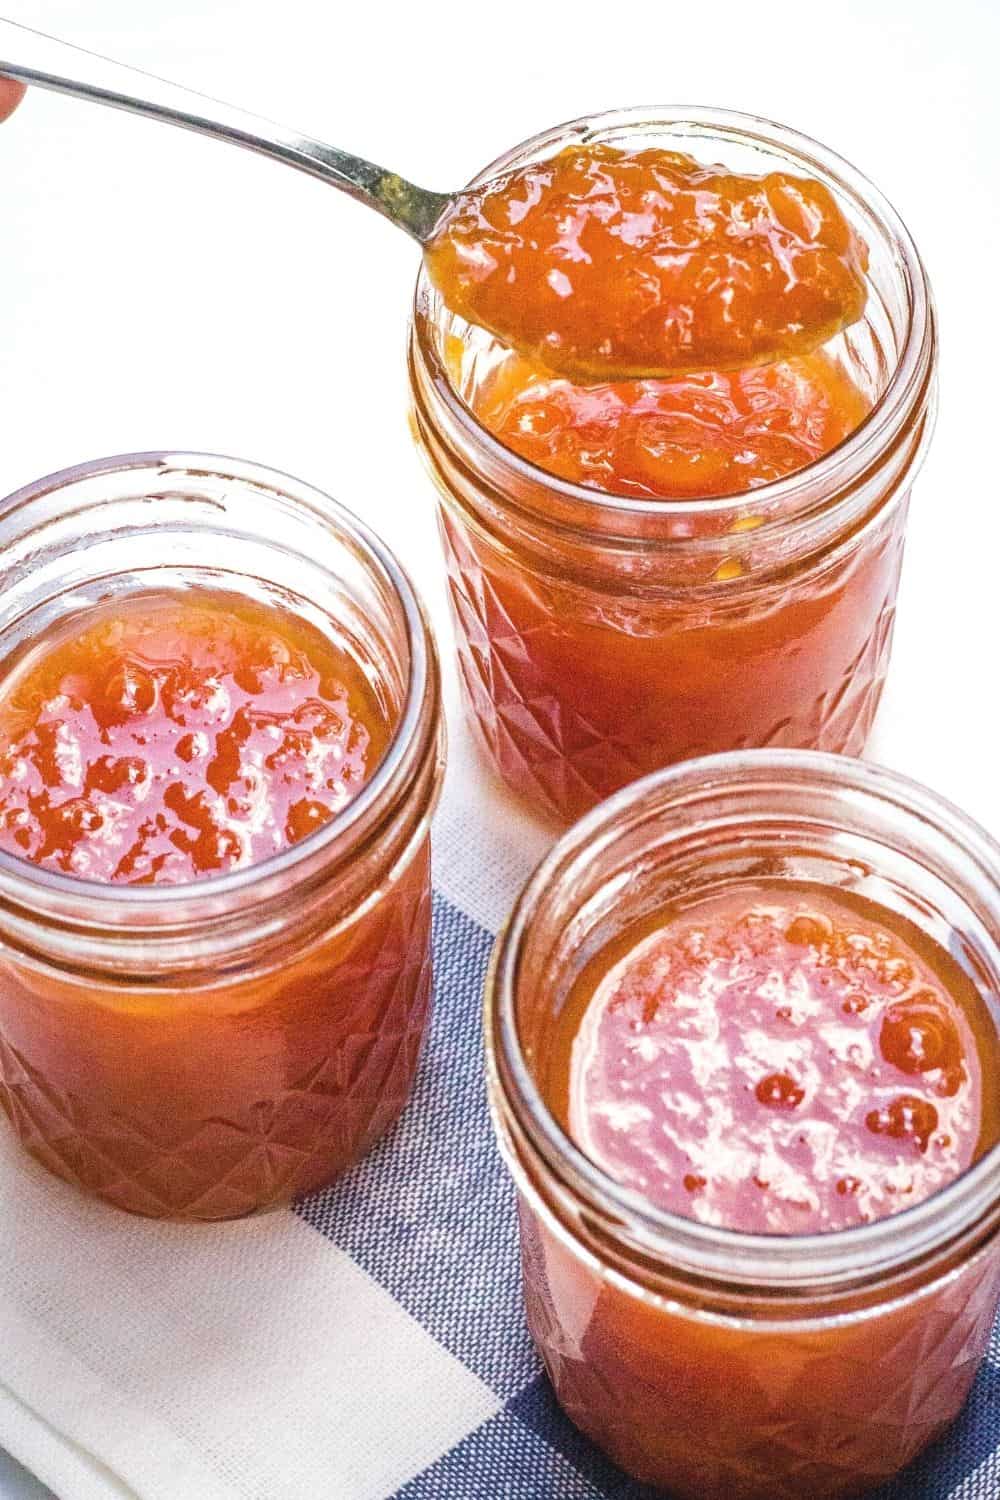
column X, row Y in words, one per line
column 11, row 94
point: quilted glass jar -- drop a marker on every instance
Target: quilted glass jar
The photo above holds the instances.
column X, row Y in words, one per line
column 725, row 1365
column 602, row 636
column 208, row 1050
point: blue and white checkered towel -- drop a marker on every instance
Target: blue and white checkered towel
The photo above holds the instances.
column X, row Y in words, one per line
column 370, row 1344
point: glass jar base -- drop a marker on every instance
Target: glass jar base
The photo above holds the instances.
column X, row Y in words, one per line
column 282, row 1149
column 793, row 1419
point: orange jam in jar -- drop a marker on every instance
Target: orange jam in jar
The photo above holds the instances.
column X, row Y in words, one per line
column 215, row 786
column 643, row 570
column 744, row 1015
column 171, row 737
column 778, row 1059
column 698, row 436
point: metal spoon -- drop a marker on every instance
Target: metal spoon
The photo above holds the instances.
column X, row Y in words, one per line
column 48, row 63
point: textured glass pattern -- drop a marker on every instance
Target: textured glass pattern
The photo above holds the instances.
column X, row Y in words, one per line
column 277, row 1085
column 577, row 691
column 729, row 1413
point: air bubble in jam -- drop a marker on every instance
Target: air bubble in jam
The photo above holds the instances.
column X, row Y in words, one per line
column 779, row 1091
column 906, row 1118
column 604, row 263
column 919, row 1037
column 807, row 932
column 174, row 737
column 726, row 1043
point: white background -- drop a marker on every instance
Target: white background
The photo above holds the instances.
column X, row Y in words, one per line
column 158, row 290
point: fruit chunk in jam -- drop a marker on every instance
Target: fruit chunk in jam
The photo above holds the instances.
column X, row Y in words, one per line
column 778, row 1060
column 172, row 738
column 605, row 263
column 699, row 435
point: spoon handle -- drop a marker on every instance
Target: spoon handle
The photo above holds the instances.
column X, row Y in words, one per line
column 35, row 58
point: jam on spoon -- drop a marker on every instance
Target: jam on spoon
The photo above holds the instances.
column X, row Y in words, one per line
column 607, row 264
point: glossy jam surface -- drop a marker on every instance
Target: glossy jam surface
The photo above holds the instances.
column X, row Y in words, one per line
column 604, row 263
column 171, row 738
column 699, row 435
column 779, row 1061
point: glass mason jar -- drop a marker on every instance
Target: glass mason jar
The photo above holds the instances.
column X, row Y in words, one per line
column 207, row 1050
column 726, row 1365
column 602, row 636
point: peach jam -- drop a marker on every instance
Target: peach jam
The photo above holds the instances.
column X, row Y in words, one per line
column 608, row 263
column 742, row 1017
column 174, row 737
column 649, row 567
column 701, row 435
column 215, row 787
column 778, row 1059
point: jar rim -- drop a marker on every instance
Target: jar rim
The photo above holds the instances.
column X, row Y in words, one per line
column 834, row 471
column 23, row 882
column 768, row 1261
